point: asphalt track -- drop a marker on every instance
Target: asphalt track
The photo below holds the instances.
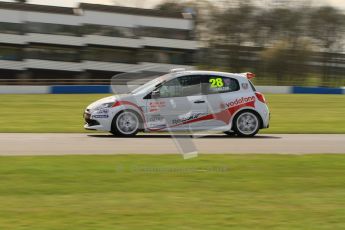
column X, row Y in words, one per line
column 16, row 144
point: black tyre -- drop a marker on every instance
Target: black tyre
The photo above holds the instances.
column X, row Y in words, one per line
column 246, row 124
column 125, row 124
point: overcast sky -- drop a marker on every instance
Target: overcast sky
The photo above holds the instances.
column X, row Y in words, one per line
column 151, row 3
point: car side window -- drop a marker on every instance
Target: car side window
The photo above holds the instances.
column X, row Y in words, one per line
column 219, row 84
column 171, row 88
column 190, row 85
column 181, row 87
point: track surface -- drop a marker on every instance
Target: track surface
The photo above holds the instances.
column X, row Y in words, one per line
column 12, row 144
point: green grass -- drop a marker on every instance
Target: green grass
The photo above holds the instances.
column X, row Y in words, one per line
column 293, row 113
column 165, row 192
column 44, row 113
column 63, row 113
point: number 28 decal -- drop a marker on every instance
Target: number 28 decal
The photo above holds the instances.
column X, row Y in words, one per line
column 216, row 82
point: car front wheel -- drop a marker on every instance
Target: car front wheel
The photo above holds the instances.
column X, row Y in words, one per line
column 125, row 124
column 246, row 124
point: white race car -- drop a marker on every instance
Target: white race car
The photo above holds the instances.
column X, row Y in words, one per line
column 184, row 101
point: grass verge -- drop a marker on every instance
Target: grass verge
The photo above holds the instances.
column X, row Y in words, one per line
column 165, row 192
column 63, row 113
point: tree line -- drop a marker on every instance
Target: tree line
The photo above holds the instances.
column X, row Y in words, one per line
column 284, row 43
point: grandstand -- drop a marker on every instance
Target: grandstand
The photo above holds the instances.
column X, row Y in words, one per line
column 47, row 45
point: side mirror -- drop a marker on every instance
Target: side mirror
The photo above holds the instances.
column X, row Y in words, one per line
column 155, row 94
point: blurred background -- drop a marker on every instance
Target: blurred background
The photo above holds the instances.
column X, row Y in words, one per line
column 57, row 47
column 70, row 43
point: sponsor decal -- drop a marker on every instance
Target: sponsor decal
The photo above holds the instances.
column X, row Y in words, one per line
column 245, row 85
column 216, row 82
column 154, row 106
column 187, row 117
column 102, row 111
column 156, row 118
column 157, row 103
column 240, row 101
column 156, row 122
column 153, row 110
column 225, row 115
column 225, row 88
column 100, row 116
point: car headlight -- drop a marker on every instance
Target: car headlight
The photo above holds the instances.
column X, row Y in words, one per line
column 105, row 106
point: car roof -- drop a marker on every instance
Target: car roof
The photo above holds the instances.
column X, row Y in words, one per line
column 204, row 72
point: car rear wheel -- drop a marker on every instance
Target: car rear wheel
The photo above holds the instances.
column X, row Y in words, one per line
column 125, row 124
column 246, row 124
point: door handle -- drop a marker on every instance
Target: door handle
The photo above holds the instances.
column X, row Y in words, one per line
column 199, row 101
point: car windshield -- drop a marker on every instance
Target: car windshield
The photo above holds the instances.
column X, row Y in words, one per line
column 149, row 85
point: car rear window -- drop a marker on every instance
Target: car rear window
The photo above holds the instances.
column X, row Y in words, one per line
column 219, row 84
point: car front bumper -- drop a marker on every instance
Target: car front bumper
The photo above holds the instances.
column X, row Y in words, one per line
column 95, row 124
column 88, row 121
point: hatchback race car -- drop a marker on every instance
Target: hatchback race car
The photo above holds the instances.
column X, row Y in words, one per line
column 184, row 101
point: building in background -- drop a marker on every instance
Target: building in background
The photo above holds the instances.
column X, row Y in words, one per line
column 48, row 44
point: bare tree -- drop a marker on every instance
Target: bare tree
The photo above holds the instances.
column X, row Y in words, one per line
column 283, row 39
column 327, row 29
column 232, row 28
column 172, row 6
